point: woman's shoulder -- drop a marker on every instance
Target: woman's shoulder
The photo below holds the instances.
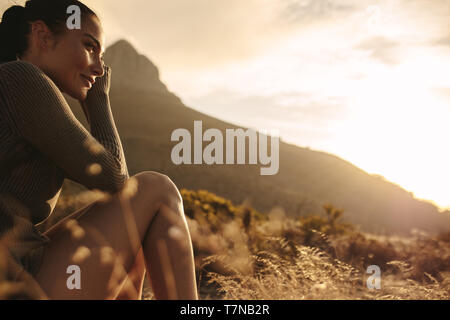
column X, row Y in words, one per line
column 20, row 75
column 19, row 66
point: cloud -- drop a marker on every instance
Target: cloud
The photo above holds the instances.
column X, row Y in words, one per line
column 443, row 93
column 300, row 117
column 290, row 112
column 307, row 11
column 431, row 19
column 381, row 49
column 444, row 41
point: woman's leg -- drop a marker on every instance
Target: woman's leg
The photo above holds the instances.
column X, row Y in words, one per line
column 134, row 283
column 104, row 241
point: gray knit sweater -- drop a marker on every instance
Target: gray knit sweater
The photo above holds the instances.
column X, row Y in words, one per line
column 42, row 143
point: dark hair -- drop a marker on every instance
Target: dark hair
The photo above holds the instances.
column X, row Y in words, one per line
column 15, row 25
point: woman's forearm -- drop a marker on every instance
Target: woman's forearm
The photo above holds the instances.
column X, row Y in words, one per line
column 102, row 125
column 98, row 112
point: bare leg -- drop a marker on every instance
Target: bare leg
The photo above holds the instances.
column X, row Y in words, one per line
column 105, row 240
column 134, row 283
column 169, row 255
column 168, row 249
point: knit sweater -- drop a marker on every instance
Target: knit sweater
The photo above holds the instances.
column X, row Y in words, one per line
column 42, row 143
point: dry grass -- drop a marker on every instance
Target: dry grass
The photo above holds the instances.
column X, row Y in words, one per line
column 244, row 254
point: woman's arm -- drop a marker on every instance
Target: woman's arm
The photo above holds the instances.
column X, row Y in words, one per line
column 98, row 112
column 37, row 111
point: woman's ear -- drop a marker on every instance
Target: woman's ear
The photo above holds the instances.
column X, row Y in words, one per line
column 42, row 36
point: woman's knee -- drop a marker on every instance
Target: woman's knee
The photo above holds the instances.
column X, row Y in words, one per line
column 158, row 184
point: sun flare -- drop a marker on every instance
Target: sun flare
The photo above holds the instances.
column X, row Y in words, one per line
column 398, row 128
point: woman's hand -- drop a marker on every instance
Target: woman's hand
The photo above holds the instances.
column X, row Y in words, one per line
column 101, row 87
column 102, row 84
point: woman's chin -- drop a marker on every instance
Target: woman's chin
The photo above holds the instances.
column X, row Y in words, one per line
column 83, row 94
column 80, row 94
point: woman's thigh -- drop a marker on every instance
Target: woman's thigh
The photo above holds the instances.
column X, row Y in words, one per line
column 96, row 247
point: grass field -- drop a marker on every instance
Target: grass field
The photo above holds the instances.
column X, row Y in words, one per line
column 241, row 253
column 244, row 254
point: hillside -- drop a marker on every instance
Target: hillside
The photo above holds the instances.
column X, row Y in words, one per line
column 146, row 114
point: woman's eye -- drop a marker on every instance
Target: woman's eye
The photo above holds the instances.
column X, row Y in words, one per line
column 90, row 48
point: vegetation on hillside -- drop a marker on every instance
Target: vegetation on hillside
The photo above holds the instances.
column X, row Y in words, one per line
column 244, row 254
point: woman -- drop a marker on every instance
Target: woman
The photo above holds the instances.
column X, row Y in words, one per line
column 103, row 250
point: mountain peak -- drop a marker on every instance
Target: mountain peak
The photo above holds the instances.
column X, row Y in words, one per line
column 131, row 69
column 123, row 46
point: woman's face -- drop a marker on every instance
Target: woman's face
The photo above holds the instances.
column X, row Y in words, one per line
column 76, row 59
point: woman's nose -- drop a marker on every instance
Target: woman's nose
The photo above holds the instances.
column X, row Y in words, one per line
column 99, row 68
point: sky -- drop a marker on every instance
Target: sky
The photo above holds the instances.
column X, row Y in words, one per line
column 366, row 80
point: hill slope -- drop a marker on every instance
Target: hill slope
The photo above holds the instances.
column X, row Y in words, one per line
column 146, row 114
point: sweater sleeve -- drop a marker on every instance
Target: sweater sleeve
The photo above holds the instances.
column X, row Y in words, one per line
column 97, row 108
column 38, row 112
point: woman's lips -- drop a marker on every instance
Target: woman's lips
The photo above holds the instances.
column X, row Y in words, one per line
column 86, row 81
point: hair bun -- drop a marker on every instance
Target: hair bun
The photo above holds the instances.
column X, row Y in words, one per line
column 15, row 15
column 13, row 29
